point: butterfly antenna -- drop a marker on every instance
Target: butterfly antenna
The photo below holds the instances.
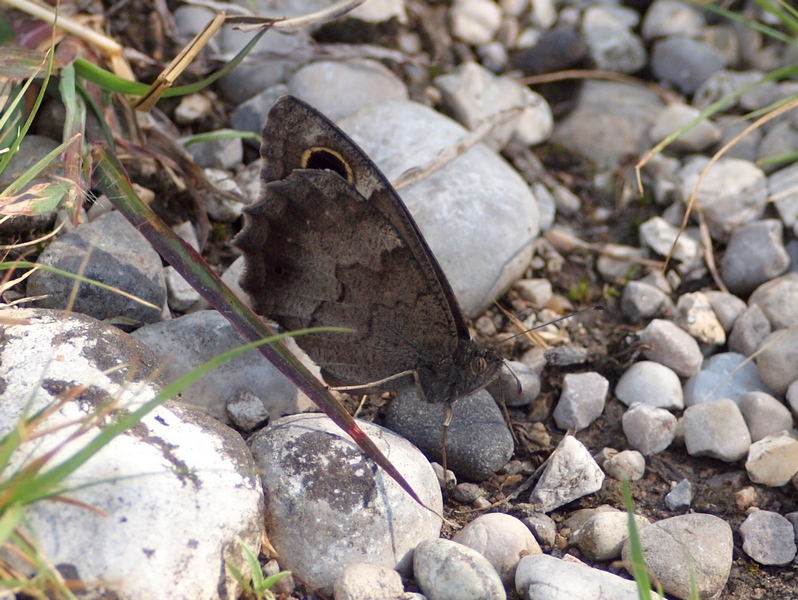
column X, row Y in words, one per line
column 542, row 325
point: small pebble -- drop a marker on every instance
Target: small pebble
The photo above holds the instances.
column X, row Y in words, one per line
column 650, row 383
column 648, row 429
column 773, row 460
column 544, row 577
column 543, row 528
column 582, row 400
column 475, row 22
column 724, row 375
column 684, row 62
column 515, row 373
column 604, row 534
column 671, row 346
column 361, row 581
column 664, row 239
column 665, row 18
column 538, row 292
column 776, row 360
column 570, row 474
column 777, row 299
column 716, row 429
column 627, row 465
column 611, row 265
column 746, row 498
column 680, row 496
column 764, row 415
column 246, row 410
column 467, row 492
column 694, row 314
column 446, row 570
column 675, row 117
column 749, row 330
column 644, row 301
column 755, row 254
column 768, row 538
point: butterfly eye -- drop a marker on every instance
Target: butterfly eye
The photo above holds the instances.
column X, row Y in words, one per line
column 479, row 365
column 327, row 159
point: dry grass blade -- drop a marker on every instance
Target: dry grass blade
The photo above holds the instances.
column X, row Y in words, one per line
column 448, row 154
column 295, row 23
column 667, row 95
column 166, row 79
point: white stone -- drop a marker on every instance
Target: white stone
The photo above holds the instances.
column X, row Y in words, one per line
column 694, row 314
column 475, row 22
column 650, row 383
column 602, row 537
column 544, row 577
column 648, row 429
column 446, row 570
column 716, row 429
column 627, row 465
column 582, row 400
column 773, row 460
column 570, row 474
column 660, row 236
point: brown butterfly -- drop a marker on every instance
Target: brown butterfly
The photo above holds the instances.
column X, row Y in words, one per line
column 330, row 243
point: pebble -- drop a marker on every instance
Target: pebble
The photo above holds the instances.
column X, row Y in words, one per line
column 724, row 375
column 648, row 429
column 664, row 239
column 627, row 465
column 506, row 387
column 680, row 496
column 219, row 205
column 537, row 292
column 582, row 400
column 650, row 383
column 745, row 148
column 776, row 361
column 610, row 263
column 602, row 537
column 547, row 205
column 764, row 415
column 489, row 245
column 671, row 346
column 342, row 88
column 475, row 22
column 606, row 30
column 500, row 538
column 773, row 460
column 727, row 307
column 732, row 193
column 677, row 116
column 120, row 257
column 478, row 442
column 571, row 473
column 446, row 570
column 716, row 429
column 544, row 577
column 749, row 330
column 224, row 151
column 176, row 475
column 694, row 314
column 768, row 538
column 781, row 139
column 566, row 202
column 644, row 301
column 754, row 255
column 680, row 548
column 777, row 299
column 746, row 498
column 187, row 342
column 665, row 18
column 179, row 293
column 251, row 114
column 363, row 581
column 543, row 528
column 685, row 63
column 724, row 83
column 610, row 121
column 246, row 411
column 467, row 493
column 312, row 473
column 472, row 94
column 783, row 193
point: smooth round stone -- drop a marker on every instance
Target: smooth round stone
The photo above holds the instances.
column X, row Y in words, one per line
column 781, row 139
column 727, row 307
column 778, row 299
column 500, row 538
column 611, row 120
column 665, row 18
column 684, row 62
column 680, row 496
column 716, row 429
column 764, row 415
column 536, row 291
column 506, row 387
column 665, row 239
column 783, row 192
column 489, row 245
column 362, row 581
column 648, row 429
column 187, row 342
column 478, row 442
column 732, row 193
column 582, row 400
column 627, row 465
column 768, row 538
column 641, row 300
column 446, row 570
column 610, row 42
column 671, row 346
column 676, row 116
column 773, row 460
column 176, row 475
column 313, row 474
column 543, row 528
column 475, row 22
column 778, row 359
column 119, row 256
column 467, row 493
column 680, row 548
column 725, row 375
column 543, row 577
column 570, row 474
column 650, row 383
column 749, row 331
column 604, row 534
column 362, row 82
column 754, row 255
column 694, row 314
